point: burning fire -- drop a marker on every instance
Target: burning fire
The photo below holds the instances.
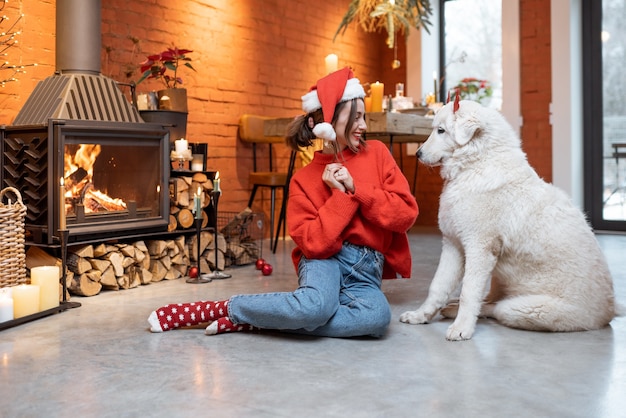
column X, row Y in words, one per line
column 79, row 182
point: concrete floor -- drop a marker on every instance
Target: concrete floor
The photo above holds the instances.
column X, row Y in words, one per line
column 100, row 360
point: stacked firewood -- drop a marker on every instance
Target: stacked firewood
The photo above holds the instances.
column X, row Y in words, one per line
column 124, row 266
column 182, row 200
column 115, row 266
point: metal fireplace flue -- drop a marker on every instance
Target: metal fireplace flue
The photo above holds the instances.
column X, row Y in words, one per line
column 78, row 131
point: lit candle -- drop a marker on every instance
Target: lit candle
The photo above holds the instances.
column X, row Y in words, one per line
column 368, row 104
column 6, row 305
column 181, row 146
column 25, row 300
column 196, row 203
column 331, row 63
column 216, row 183
column 377, row 96
column 47, row 278
column 197, row 163
column 435, row 84
column 62, row 219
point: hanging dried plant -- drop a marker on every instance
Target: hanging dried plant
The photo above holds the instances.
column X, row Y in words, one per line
column 393, row 16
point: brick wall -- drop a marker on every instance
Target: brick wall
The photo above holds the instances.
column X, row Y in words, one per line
column 252, row 59
column 535, row 74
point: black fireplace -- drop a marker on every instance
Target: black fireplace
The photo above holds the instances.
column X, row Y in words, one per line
column 115, row 178
column 78, row 126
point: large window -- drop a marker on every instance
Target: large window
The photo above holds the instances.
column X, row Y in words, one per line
column 604, row 35
column 472, row 48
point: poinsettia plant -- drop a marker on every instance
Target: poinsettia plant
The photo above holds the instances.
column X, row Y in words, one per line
column 157, row 66
column 472, row 89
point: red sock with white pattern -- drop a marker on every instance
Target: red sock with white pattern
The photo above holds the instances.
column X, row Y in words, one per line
column 178, row 315
column 224, row 324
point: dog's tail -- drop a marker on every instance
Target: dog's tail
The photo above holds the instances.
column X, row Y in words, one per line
column 620, row 310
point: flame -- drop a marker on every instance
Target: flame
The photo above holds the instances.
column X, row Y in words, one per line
column 78, row 176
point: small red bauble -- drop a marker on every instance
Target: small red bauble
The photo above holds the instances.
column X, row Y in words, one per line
column 267, row 269
column 260, row 263
column 193, row 272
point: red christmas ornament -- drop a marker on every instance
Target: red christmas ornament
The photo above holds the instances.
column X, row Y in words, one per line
column 193, row 272
column 267, row 269
column 260, row 263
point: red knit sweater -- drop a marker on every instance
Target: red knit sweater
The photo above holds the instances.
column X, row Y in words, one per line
column 377, row 215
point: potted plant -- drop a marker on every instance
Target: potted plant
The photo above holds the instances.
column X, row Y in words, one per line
column 164, row 67
column 471, row 88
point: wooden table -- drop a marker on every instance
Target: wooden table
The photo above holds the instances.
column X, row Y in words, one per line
column 389, row 127
column 396, row 127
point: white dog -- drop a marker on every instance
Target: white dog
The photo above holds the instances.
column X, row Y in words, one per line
column 500, row 221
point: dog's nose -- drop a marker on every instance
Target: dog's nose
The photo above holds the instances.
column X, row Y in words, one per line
column 418, row 154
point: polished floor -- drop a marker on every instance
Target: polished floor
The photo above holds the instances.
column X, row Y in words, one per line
column 100, row 360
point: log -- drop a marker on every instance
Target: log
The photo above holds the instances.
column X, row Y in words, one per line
column 99, row 250
column 82, row 251
column 108, row 279
column 36, row 257
column 78, row 264
column 99, row 264
column 117, row 261
column 82, row 285
column 185, row 218
column 172, row 223
column 158, row 270
column 156, row 248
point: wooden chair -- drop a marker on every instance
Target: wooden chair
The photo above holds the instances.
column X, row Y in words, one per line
column 251, row 130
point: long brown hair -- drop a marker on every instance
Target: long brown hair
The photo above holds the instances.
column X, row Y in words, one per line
column 300, row 134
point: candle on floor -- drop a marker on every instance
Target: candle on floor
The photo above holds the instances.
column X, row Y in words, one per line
column 6, row 305
column 47, row 278
column 181, row 145
column 62, row 216
column 377, row 96
column 25, row 300
column 331, row 63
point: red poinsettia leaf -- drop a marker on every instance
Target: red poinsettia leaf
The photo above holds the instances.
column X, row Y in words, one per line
column 168, row 55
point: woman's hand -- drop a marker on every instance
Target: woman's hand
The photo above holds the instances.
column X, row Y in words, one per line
column 338, row 177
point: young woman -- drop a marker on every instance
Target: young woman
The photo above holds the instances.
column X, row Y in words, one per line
column 348, row 213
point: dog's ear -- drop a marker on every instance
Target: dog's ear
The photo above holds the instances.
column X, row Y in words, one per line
column 467, row 125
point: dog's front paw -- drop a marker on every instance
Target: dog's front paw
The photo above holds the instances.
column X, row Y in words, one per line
column 414, row 317
column 459, row 331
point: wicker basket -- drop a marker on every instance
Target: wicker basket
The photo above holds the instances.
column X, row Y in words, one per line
column 12, row 254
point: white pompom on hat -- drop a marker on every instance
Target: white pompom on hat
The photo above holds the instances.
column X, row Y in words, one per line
column 335, row 88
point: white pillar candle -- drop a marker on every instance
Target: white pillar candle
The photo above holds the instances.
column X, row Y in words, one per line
column 331, row 61
column 197, row 163
column 181, row 145
column 25, row 300
column 6, row 305
column 47, row 278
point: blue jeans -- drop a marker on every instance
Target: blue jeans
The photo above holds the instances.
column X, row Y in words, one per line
column 337, row 297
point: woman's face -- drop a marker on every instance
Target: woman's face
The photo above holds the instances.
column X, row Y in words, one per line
column 355, row 131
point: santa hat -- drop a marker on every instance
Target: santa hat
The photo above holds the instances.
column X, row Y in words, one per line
column 331, row 90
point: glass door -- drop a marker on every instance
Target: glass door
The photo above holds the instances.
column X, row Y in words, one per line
column 604, row 52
